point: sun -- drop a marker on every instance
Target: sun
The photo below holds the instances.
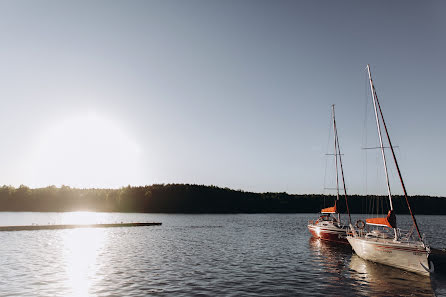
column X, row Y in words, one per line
column 86, row 151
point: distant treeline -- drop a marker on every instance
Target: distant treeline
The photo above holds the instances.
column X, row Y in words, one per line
column 185, row 198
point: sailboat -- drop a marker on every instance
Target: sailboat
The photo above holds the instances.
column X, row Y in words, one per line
column 329, row 226
column 387, row 244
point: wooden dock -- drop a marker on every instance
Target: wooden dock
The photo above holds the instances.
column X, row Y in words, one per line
column 73, row 226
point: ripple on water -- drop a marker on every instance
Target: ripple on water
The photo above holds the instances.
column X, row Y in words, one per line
column 207, row 255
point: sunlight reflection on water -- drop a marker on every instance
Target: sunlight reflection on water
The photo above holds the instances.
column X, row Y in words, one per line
column 80, row 251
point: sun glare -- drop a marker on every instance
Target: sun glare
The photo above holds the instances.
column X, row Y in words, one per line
column 86, row 151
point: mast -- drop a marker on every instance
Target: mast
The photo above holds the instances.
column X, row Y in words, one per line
column 342, row 173
column 394, row 157
column 336, row 157
column 375, row 99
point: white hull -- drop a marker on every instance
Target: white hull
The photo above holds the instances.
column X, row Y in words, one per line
column 410, row 256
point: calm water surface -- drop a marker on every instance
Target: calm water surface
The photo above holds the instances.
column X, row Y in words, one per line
column 207, row 255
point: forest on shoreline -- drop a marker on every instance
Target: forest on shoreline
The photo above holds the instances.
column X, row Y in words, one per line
column 186, row 198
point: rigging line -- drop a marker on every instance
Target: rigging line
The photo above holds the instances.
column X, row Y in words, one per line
column 378, row 177
column 377, row 147
column 326, row 159
column 380, row 138
column 342, row 168
column 365, row 142
column 382, row 205
column 325, row 175
column 368, row 202
column 335, row 153
column 378, row 125
column 325, row 172
column 397, row 167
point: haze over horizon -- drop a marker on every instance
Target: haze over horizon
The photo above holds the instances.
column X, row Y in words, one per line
column 235, row 94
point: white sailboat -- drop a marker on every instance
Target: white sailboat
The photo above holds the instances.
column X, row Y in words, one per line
column 329, row 226
column 388, row 244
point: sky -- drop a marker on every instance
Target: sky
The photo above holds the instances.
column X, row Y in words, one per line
column 235, row 94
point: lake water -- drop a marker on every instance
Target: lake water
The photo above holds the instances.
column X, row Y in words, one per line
column 196, row 255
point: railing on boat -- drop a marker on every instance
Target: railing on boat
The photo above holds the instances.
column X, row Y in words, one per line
column 404, row 236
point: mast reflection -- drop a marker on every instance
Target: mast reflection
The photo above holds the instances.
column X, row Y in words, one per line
column 332, row 260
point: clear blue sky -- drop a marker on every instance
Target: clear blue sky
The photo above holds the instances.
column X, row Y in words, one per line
column 231, row 93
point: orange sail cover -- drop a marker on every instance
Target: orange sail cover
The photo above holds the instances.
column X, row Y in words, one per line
column 389, row 221
column 329, row 209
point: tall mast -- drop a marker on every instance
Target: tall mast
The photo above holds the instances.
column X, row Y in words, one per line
column 336, row 157
column 378, row 125
column 395, row 160
column 372, row 88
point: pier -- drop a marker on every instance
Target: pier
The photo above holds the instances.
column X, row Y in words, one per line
column 73, row 226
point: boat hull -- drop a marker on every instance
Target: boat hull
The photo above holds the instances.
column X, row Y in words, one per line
column 329, row 233
column 408, row 256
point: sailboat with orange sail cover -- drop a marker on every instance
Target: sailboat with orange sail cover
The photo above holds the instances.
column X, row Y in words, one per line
column 329, row 225
column 382, row 241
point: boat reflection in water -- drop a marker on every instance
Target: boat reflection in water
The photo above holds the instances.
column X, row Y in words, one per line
column 330, row 254
column 331, row 259
column 337, row 263
column 383, row 280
